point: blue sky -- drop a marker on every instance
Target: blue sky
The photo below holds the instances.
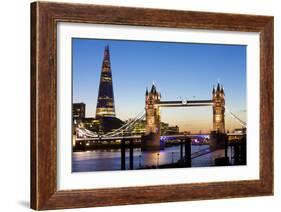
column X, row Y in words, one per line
column 179, row 70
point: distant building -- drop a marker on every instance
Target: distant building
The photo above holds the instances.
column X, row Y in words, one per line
column 172, row 130
column 236, row 135
column 168, row 130
column 140, row 127
column 99, row 126
column 91, row 124
column 78, row 110
column 240, row 131
column 105, row 103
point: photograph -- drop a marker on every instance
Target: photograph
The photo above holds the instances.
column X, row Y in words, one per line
column 152, row 105
column 142, row 105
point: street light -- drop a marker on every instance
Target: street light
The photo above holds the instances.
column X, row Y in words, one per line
column 158, row 159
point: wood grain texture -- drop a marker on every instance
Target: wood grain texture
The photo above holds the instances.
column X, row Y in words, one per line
column 44, row 18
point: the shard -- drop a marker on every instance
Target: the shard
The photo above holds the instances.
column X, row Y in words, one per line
column 105, row 103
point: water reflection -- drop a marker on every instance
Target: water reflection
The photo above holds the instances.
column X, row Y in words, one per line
column 105, row 160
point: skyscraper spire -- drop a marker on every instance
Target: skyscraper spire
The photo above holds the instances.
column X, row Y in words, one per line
column 105, row 103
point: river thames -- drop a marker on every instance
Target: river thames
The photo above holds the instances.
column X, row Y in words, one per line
column 110, row 159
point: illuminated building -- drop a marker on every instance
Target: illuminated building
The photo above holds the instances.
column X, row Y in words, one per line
column 91, row 124
column 78, row 110
column 140, row 127
column 105, row 103
column 240, row 130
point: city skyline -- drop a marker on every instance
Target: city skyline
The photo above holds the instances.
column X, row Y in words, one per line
column 181, row 71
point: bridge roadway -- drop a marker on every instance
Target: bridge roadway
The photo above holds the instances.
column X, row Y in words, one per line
column 185, row 103
column 136, row 137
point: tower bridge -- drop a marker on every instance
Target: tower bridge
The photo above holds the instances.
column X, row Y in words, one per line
column 153, row 104
column 152, row 116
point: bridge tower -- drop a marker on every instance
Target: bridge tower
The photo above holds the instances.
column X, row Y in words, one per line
column 152, row 110
column 151, row 140
column 218, row 137
column 218, row 109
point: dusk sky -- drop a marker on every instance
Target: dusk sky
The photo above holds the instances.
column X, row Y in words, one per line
column 179, row 70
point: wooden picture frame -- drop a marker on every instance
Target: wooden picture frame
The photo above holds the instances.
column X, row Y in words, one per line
column 44, row 19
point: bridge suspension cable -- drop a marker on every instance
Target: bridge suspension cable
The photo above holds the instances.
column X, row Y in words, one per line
column 125, row 127
column 86, row 132
column 244, row 124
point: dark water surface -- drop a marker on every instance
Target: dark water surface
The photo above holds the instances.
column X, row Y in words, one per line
column 110, row 159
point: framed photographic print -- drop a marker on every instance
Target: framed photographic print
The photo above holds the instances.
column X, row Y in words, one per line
column 136, row 105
